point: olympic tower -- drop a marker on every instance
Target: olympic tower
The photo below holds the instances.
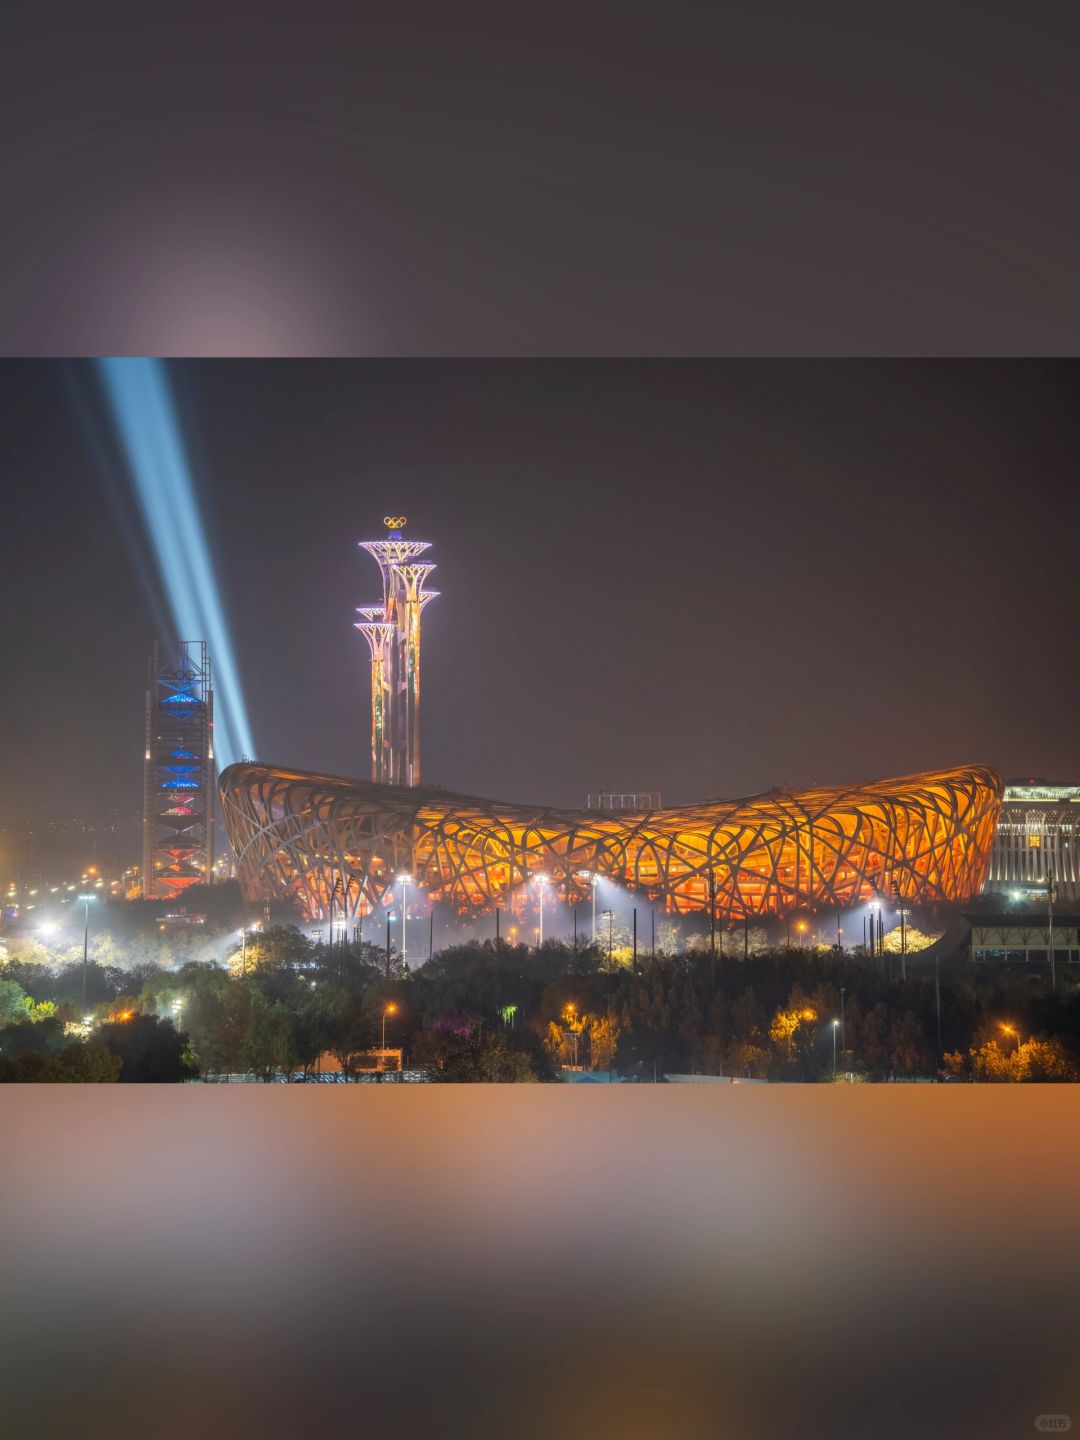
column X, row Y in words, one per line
column 392, row 631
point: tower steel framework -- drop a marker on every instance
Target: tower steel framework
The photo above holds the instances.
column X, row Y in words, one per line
column 924, row 838
column 392, row 631
column 178, row 775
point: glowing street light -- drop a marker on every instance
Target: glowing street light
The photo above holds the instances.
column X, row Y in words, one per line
column 835, row 1027
column 570, row 1016
column 1012, row 1030
column 609, row 916
column 594, row 877
column 405, row 880
column 541, row 880
column 390, row 1009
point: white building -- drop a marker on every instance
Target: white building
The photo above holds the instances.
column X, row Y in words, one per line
column 1038, row 833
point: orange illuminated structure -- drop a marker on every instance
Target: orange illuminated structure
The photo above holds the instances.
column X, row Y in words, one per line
column 306, row 837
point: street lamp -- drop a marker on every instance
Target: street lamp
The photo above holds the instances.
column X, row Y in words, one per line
column 85, row 940
column 1012, row 1030
column 594, row 877
column 610, row 916
column 801, row 926
column 405, row 879
column 541, row 880
column 843, row 1045
column 242, row 932
column 835, row 1027
column 390, row 1009
column 903, row 933
column 569, row 1014
column 1051, row 895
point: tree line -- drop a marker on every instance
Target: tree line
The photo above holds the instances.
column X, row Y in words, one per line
column 476, row 1012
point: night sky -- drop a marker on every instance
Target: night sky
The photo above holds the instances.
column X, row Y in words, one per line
column 702, row 578
column 538, row 178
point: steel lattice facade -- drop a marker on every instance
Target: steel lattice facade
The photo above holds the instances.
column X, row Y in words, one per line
column 178, row 773
column 306, row 837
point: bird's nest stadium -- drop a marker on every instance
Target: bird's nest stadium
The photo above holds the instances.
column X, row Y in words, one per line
column 328, row 843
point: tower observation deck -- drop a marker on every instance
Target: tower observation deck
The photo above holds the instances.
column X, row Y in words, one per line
column 392, row 631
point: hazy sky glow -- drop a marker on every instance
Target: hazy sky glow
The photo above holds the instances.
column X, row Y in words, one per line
column 703, row 578
column 160, row 477
column 558, row 179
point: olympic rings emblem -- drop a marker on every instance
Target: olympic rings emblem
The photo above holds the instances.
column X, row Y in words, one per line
column 394, row 522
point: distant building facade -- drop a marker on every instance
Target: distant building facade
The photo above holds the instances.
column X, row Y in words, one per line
column 614, row 802
column 1038, row 832
column 1024, row 938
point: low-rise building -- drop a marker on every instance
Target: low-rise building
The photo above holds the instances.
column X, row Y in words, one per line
column 1038, row 833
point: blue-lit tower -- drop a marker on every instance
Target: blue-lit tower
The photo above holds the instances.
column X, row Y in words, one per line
column 178, row 783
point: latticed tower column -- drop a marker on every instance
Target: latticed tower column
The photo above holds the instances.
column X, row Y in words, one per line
column 414, row 598
column 380, row 637
column 398, row 687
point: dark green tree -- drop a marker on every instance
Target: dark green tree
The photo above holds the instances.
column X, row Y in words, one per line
column 151, row 1051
